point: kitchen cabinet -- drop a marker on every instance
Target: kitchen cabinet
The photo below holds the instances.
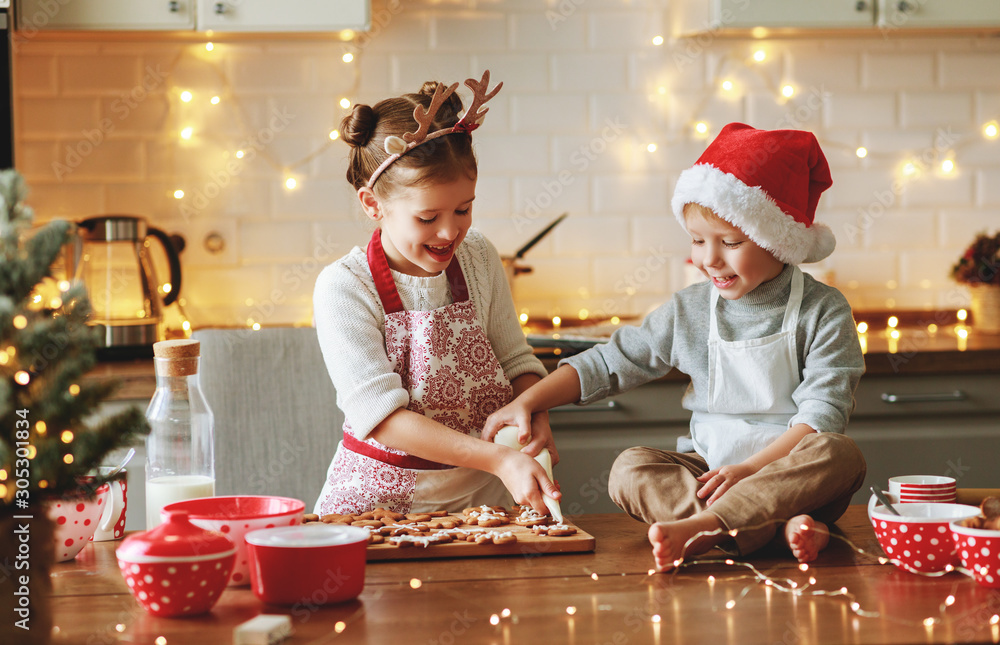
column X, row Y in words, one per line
column 922, row 424
column 105, row 14
column 770, row 17
column 200, row 15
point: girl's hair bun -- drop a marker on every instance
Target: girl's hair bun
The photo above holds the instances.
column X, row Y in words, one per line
column 452, row 108
column 358, row 127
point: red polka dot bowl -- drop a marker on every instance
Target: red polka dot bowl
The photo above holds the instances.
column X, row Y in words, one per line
column 919, row 541
column 76, row 519
column 309, row 565
column 236, row 515
column 979, row 550
column 176, row 569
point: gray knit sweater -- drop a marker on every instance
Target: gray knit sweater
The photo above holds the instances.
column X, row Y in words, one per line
column 675, row 335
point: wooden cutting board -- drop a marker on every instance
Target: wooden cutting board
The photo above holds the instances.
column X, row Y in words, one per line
column 528, row 544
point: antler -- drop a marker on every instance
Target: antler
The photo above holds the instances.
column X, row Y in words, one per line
column 473, row 116
column 425, row 117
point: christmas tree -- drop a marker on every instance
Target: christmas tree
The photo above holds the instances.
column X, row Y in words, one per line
column 46, row 446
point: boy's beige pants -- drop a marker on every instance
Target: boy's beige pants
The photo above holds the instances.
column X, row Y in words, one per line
column 817, row 478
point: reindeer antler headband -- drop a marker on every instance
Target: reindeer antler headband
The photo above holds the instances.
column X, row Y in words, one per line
column 396, row 147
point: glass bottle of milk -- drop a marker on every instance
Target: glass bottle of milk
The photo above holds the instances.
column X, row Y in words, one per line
column 180, row 458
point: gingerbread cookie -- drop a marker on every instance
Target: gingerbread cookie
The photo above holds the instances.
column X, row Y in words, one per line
column 553, row 530
column 530, row 517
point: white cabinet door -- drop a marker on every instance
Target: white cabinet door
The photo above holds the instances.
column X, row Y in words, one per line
column 105, row 14
column 290, row 15
column 917, row 14
column 829, row 14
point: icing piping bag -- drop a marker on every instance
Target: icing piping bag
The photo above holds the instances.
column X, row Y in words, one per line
column 507, row 436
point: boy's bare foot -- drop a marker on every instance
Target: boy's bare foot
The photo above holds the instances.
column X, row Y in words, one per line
column 806, row 537
column 669, row 538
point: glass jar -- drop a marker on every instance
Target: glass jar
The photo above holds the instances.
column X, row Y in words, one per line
column 180, row 448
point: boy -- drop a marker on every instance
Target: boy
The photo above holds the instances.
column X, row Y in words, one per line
column 772, row 354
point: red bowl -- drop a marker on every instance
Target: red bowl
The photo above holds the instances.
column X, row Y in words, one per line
column 309, row 565
column 919, row 539
column 236, row 515
column 177, row 568
column 980, row 553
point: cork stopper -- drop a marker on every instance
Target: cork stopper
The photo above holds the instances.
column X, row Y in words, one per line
column 181, row 356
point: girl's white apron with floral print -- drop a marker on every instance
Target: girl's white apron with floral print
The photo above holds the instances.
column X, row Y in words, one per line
column 447, row 365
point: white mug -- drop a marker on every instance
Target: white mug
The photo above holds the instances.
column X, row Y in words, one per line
column 111, row 526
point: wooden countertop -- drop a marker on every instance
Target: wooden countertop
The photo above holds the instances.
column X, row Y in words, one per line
column 458, row 598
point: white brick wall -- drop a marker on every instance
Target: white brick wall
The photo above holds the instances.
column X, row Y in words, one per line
column 98, row 127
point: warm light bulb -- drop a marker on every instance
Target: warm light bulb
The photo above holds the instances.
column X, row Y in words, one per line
column 68, row 459
column 239, row 154
column 788, row 91
column 334, row 135
column 209, row 47
column 991, row 130
column 66, row 436
column 583, row 314
column 657, row 40
column 962, row 333
column 20, row 321
column 909, row 169
column 759, row 55
column 495, row 619
column 290, row 183
column 255, row 326
column 655, row 618
column 651, row 147
column 893, row 321
column 186, row 96
column 22, row 378
column 662, row 89
column 74, row 389
column 178, row 194
column 862, row 152
column 947, row 166
column 862, row 327
column 701, row 127
column 615, row 320
column 345, row 103
column 64, row 285
column 348, row 57
column 962, row 314
column 339, row 626
column 187, row 132
column 894, row 334
column 571, row 610
column 523, row 318
column 730, row 604
column 214, row 100
column 727, row 85
column 556, row 321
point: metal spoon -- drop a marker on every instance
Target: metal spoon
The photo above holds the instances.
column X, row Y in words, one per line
column 117, row 469
column 880, row 496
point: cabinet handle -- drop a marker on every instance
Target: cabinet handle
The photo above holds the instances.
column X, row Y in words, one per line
column 220, row 8
column 861, row 6
column 610, row 406
column 939, row 397
column 905, row 7
column 174, row 6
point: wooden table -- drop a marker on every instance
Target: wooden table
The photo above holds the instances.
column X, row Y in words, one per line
column 558, row 599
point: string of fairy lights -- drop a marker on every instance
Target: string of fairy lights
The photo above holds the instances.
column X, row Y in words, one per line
column 728, row 77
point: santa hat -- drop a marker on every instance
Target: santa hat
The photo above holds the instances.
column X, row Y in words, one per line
column 767, row 183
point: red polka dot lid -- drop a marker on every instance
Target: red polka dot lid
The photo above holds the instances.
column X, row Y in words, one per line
column 177, row 537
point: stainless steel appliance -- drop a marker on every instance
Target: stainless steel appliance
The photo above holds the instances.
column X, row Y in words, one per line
column 112, row 257
column 6, row 87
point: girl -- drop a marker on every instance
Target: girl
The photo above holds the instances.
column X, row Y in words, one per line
column 419, row 331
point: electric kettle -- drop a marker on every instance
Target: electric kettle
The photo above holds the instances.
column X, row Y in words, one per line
column 112, row 259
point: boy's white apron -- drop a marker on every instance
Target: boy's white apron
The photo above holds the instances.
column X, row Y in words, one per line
column 750, row 386
column 447, row 365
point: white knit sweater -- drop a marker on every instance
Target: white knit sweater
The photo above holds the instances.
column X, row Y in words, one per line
column 350, row 324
